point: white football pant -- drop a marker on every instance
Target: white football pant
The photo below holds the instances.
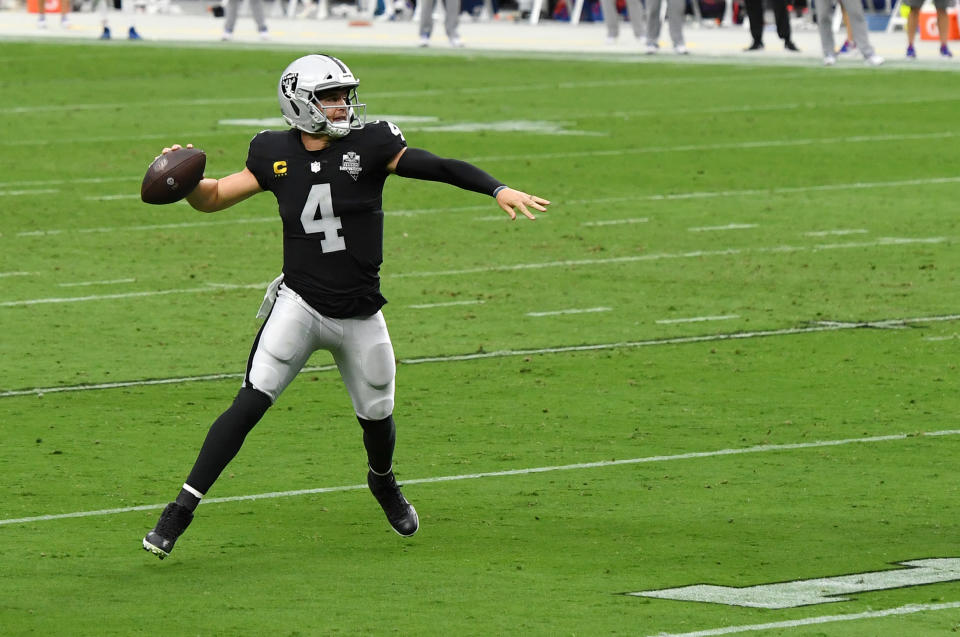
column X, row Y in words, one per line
column 361, row 348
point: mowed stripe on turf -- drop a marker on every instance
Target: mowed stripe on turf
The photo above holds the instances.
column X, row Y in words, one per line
column 566, row 263
column 822, row 326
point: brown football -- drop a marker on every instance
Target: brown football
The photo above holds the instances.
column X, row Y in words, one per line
column 172, row 176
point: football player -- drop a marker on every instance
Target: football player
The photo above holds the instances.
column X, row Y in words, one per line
column 327, row 173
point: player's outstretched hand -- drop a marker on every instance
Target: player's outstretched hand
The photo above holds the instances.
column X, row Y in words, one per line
column 513, row 200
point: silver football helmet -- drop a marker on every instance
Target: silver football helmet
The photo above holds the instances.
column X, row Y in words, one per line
column 301, row 84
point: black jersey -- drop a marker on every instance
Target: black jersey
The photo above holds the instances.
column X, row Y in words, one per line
column 330, row 202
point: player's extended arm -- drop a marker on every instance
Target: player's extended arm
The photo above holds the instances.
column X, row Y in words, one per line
column 211, row 195
column 417, row 163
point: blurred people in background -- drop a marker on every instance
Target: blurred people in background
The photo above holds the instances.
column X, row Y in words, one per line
column 675, row 11
column 233, row 8
column 848, row 45
column 611, row 17
column 858, row 27
column 782, row 18
column 943, row 25
column 42, row 11
column 451, row 22
column 117, row 5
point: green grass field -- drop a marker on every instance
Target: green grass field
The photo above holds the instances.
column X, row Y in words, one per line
column 727, row 354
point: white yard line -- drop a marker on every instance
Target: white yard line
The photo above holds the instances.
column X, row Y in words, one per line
column 698, row 319
column 909, row 609
column 17, row 193
column 729, row 226
column 818, row 444
column 40, row 391
column 742, row 145
column 615, row 222
column 839, row 233
column 825, row 326
column 588, row 310
column 425, row 306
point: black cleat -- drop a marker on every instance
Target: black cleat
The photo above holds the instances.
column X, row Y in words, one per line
column 756, row 46
column 790, row 46
column 400, row 513
column 173, row 522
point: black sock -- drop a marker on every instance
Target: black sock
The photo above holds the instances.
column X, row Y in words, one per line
column 187, row 498
column 226, row 436
column 379, row 439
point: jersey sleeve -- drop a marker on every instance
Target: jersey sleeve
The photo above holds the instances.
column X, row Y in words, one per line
column 258, row 161
column 392, row 139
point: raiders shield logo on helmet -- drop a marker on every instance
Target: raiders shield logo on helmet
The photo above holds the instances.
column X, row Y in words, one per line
column 288, row 84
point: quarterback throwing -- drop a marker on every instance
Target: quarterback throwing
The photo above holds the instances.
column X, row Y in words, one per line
column 327, row 173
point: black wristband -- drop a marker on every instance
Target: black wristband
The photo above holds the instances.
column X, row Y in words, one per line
column 417, row 163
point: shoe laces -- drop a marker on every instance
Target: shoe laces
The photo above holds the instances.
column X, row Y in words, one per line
column 173, row 521
column 388, row 494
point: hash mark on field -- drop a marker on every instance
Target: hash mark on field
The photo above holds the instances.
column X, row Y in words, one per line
column 729, row 226
column 424, row 306
column 65, row 182
column 15, row 193
column 826, row 233
column 571, row 311
column 148, row 227
column 110, row 197
column 818, row 444
column 824, row 326
column 614, row 222
column 698, row 319
column 85, row 283
column 6, row 274
column 809, row 621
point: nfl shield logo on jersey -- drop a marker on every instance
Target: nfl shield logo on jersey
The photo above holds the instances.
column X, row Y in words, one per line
column 351, row 164
column 316, row 166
